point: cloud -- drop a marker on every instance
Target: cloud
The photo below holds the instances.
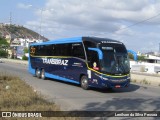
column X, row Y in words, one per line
column 101, row 15
column 103, row 18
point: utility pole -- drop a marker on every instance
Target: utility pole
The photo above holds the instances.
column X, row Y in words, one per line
column 10, row 18
column 41, row 20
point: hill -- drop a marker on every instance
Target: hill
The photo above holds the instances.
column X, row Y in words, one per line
column 17, row 31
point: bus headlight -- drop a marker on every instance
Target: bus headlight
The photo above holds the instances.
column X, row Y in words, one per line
column 105, row 78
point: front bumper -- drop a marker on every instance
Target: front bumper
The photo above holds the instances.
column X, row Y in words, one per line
column 115, row 82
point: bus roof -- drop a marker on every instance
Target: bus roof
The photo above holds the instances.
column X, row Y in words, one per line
column 99, row 40
column 59, row 41
column 76, row 39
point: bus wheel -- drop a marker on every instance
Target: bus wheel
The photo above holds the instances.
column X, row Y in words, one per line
column 84, row 83
column 38, row 73
column 43, row 74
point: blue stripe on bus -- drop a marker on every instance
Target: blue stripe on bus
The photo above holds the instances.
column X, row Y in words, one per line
column 60, row 78
column 31, row 70
column 60, row 41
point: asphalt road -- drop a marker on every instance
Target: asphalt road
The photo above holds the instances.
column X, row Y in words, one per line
column 73, row 97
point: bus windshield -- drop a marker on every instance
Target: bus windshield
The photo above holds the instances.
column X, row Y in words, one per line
column 115, row 59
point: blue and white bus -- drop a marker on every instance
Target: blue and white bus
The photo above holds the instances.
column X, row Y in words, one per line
column 88, row 61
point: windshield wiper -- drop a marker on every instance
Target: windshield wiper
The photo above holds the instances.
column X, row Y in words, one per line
column 120, row 67
column 114, row 68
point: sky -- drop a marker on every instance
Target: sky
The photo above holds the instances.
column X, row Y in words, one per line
column 136, row 23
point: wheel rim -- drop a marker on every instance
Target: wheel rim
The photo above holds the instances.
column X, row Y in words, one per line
column 37, row 73
column 84, row 83
column 43, row 74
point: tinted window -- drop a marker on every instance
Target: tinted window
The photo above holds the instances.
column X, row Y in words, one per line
column 77, row 50
column 70, row 49
column 93, row 60
column 89, row 44
column 43, row 50
column 62, row 50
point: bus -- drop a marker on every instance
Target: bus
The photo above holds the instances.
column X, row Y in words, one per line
column 87, row 61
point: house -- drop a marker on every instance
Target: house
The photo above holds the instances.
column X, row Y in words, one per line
column 152, row 59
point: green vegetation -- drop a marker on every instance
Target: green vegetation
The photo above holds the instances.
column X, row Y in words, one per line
column 3, row 42
column 16, row 95
column 3, row 47
column 140, row 58
column 130, row 56
column 25, row 51
column 24, row 57
column 3, row 53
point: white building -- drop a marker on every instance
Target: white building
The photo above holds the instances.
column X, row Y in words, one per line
column 152, row 65
column 153, row 59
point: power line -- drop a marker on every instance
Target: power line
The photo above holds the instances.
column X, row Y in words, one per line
column 140, row 22
column 134, row 24
column 120, row 28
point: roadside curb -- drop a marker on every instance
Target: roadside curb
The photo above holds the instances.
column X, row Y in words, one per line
column 15, row 61
column 145, row 79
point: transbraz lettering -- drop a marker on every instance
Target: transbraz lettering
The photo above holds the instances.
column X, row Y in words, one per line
column 55, row 61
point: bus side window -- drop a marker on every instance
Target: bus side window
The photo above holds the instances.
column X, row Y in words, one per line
column 78, row 51
column 62, row 49
column 93, row 60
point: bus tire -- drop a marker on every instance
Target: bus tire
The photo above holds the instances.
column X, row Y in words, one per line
column 43, row 74
column 38, row 73
column 84, row 82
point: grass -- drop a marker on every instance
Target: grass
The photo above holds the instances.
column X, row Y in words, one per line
column 134, row 80
column 16, row 95
column 144, row 81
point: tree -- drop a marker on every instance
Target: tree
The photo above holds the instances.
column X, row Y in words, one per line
column 130, row 56
column 25, row 50
column 3, row 53
column 3, row 47
column 24, row 57
column 3, row 42
column 141, row 58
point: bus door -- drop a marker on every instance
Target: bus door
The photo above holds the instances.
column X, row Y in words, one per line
column 94, row 56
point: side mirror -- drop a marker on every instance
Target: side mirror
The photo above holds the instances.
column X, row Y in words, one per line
column 100, row 54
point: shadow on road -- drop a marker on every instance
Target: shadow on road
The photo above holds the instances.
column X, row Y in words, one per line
column 125, row 104
column 131, row 88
